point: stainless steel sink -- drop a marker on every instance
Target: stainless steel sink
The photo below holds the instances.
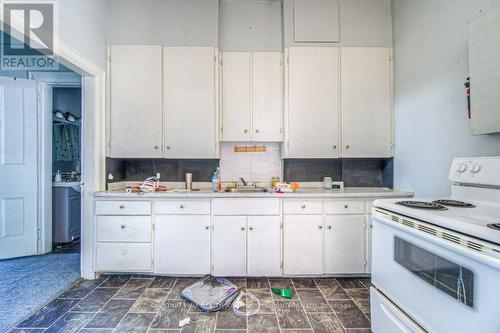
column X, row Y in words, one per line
column 247, row 189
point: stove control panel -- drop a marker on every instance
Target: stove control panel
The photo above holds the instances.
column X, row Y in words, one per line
column 476, row 170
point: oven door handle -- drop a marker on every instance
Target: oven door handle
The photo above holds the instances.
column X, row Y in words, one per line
column 471, row 254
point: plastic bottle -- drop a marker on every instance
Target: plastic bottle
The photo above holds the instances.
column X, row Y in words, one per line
column 215, row 181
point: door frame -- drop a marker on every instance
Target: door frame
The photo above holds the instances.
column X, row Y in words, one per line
column 93, row 154
column 44, row 118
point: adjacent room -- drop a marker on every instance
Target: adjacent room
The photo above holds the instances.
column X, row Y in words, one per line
column 250, row 166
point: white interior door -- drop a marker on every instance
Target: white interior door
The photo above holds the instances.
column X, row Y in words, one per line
column 264, row 246
column 344, row 244
column 313, row 102
column 182, row 244
column 236, row 96
column 136, row 101
column 229, row 250
column 189, row 102
column 267, row 96
column 366, row 102
column 303, row 243
column 18, row 168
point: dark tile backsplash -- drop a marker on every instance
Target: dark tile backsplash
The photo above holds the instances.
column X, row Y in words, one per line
column 356, row 172
column 170, row 170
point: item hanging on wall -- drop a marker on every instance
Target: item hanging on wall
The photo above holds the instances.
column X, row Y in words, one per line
column 250, row 149
column 467, row 90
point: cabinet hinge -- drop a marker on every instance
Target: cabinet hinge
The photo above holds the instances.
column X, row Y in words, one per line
column 287, row 60
column 365, row 263
column 109, row 143
column 221, row 62
column 154, row 226
column 215, row 58
column 281, row 264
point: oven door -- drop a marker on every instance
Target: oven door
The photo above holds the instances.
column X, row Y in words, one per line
column 442, row 286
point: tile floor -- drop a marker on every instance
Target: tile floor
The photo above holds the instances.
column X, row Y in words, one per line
column 124, row 303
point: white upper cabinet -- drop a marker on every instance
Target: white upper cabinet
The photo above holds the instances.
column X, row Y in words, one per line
column 366, row 87
column 316, row 20
column 189, row 102
column 252, row 96
column 135, row 101
column 236, row 95
column 267, row 96
column 313, row 103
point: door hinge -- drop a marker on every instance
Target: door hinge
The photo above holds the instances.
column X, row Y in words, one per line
column 38, row 234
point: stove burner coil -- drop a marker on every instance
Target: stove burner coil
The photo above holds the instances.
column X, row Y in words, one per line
column 454, row 203
column 422, row 205
column 495, row 226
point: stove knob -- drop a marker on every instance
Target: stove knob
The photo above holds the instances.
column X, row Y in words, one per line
column 461, row 167
column 476, row 167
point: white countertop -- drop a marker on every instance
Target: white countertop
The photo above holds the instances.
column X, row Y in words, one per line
column 348, row 192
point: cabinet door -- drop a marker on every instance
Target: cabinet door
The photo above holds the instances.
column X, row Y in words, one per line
column 313, row 102
column 264, row 246
column 344, row 244
column 135, row 101
column 182, row 244
column 236, row 97
column 303, row 242
column 229, row 250
column 189, row 102
column 368, row 251
column 267, row 96
column 366, row 102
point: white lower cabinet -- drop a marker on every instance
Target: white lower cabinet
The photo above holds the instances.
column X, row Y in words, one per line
column 303, row 240
column 182, row 244
column 344, row 244
column 123, row 257
column 229, row 250
column 264, row 246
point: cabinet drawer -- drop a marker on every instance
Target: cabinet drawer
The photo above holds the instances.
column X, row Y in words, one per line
column 123, row 207
column 123, row 228
column 302, row 207
column 248, row 206
column 124, row 257
column 179, row 207
column 344, row 207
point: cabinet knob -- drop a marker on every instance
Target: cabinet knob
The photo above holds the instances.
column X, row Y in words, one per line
column 207, row 227
column 168, row 147
column 257, row 131
column 122, row 206
column 334, row 147
column 250, row 228
column 347, row 147
column 156, row 147
column 329, row 227
column 123, row 226
column 181, row 206
column 346, row 206
column 242, row 228
column 245, row 131
column 320, row 227
column 303, row 206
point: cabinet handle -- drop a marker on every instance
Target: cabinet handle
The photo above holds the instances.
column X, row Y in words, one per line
column 251, row 228
column 245, row 131
column 329, row 227
column 320, row 227
column 346, row 206
column 207, row 227
column 123, row 226
column 156, row 147
column 303, row 206
column 242, row 228
column 122, row 206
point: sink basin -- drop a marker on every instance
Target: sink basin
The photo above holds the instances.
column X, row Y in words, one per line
column 247, row 189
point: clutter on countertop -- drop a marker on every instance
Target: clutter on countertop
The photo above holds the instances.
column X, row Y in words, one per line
column 281, row 187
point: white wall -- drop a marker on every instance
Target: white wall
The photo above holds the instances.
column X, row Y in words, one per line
column 83, row 27
column 430, row 68
column 163, row 22
column 362, row 23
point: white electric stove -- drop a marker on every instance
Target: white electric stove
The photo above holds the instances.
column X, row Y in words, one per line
column 436, row 261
